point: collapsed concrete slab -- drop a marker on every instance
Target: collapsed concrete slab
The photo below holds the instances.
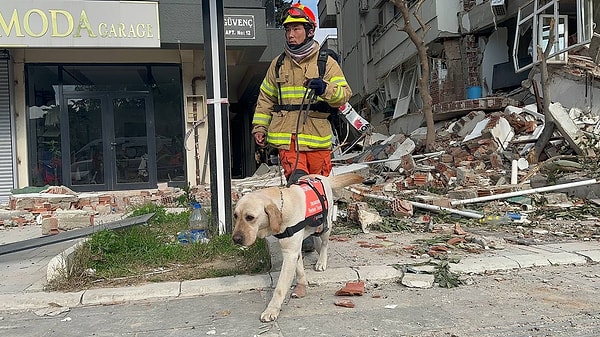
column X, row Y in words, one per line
column 574, row 136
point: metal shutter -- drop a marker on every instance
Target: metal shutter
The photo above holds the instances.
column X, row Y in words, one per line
column 6, row 140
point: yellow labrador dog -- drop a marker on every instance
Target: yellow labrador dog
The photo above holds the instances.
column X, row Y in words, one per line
column 290, row 214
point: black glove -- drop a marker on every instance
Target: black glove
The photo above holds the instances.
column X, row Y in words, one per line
column 316, row 84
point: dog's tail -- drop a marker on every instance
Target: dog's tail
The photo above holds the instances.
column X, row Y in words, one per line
column 344, row 180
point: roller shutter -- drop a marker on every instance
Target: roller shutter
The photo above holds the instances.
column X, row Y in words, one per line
column 6, row 140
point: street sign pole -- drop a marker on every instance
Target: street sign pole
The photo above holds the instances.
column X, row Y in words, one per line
column 218, row 113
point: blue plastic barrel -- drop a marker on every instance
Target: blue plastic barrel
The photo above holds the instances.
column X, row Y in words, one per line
column 473, row 92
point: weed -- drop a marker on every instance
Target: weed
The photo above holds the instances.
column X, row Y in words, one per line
column 73, row 276
column 444, row 277
column 391, row 224
column 151, row 253
column 187, row 197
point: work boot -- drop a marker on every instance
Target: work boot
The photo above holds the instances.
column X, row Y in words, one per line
column 308, row 245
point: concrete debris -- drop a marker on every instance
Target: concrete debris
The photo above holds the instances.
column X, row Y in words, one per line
column 364, row 214
column 422, row 281
column 572, row 133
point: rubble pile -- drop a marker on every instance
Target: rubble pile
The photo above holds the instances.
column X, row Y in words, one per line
column 59, row 209
column 474, row 155
column 481, row 155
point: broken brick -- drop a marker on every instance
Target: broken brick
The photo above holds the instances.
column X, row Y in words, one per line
column 458, row 230
column 455, row 240
column 345, row 302
column 402, row 207
column 352, row 289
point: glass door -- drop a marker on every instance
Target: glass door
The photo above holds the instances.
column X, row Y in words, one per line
column 134, row 154
column 110, row 141
column 86, row 142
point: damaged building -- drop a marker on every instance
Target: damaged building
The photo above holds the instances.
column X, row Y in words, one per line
column 487, row 94
column 477, row 49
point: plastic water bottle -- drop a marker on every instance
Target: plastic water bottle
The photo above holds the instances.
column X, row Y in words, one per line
column 198, row 224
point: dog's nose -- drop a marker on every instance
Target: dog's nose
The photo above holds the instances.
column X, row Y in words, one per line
column 238, row 239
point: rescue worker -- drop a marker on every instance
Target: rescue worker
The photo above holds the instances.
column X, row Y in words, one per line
column 292, row 108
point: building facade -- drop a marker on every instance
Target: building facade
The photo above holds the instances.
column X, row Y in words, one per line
column 476, row 48
column 111, row 95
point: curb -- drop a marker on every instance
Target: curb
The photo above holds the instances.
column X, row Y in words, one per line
column 62, row 261
column 575, row 253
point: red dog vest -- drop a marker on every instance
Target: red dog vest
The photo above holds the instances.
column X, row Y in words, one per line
column 316, row 208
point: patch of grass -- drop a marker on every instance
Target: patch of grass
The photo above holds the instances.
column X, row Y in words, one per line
column 152, row 253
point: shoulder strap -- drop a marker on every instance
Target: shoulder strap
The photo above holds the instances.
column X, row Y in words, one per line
column 322, row 62
column 277, row 67
column 278, row 64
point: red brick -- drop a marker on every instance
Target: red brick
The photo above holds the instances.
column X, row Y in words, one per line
column 352, row 289
column 53, row 223
column 420, row 179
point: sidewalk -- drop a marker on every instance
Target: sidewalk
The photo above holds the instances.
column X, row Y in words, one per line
column 366, row 257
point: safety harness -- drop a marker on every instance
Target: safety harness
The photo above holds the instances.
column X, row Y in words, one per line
column 321, row 65
column 316, row 208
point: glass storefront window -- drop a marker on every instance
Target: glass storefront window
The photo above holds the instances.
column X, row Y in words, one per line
column 50, row 149
column 104, row 78
column 167, row 95
column 44, row 126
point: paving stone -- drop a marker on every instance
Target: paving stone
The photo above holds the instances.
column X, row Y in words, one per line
column 225, row 284
column 381, row 273
column 593, row 255
column 26, row 301
column 529, row 260
column 566, row 258
column 331, row 275
column 422, row 281
column 574, row 246
column 482, row 265
column 541, row 249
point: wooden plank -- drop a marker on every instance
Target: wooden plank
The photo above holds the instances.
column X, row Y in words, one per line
column 73, row 234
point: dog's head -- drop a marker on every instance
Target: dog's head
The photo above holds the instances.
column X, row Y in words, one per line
column 255, row 216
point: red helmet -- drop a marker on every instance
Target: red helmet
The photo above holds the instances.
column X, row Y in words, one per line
column 301, row 14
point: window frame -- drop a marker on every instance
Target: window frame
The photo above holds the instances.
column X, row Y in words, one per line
column 532, row 17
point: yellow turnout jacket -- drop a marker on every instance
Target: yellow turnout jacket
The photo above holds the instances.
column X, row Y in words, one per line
column 314, row 133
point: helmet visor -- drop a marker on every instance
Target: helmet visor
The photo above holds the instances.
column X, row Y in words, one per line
column 298, row 13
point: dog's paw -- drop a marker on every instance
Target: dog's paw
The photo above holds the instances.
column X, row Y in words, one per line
column 270, row 314
column 321, row 265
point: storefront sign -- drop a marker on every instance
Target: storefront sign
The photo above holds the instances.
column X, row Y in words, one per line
column 239, row 27
column 67, row 23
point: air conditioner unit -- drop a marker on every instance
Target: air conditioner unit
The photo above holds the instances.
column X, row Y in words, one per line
column 363, row 6
column 498, row 7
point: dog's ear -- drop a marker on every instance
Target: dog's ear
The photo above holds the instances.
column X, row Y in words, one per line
column 275, row 218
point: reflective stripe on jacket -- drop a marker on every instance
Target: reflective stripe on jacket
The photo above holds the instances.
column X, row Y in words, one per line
column 314, row 130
